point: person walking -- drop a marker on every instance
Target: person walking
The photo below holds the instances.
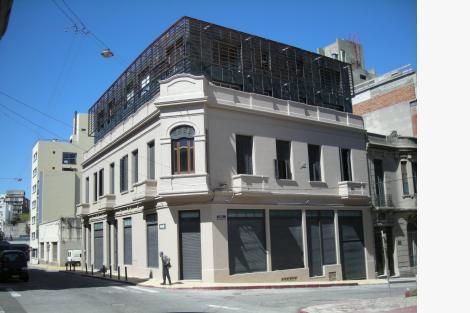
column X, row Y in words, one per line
column 166, row 268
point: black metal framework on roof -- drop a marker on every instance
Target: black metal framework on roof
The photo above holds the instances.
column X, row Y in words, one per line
column 227, row 58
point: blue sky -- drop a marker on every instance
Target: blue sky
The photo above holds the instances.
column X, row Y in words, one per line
column 59, row 72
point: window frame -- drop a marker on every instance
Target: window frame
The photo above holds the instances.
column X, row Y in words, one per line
column 151, row 160
column 124, row 174
column 311, row 162
column 283, row 166
column 348, row 163
column 247, row 168
column 176, row 150
column 65, row 160
column 135, row 166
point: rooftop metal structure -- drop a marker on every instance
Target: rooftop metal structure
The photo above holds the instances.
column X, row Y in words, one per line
column 228, row 58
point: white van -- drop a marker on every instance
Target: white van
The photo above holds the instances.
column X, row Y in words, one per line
column 74, row 257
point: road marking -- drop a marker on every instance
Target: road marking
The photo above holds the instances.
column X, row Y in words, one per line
column 13, row 293
column 143, row 289
column 223, row 307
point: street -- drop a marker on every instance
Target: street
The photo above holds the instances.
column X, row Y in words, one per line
column 64, row 292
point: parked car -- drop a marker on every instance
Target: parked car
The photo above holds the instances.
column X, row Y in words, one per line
column 74, row 257
column 21, row 247
column 13, row 264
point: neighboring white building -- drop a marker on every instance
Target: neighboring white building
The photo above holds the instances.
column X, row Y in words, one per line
column 55, row 182
column 232, row 186
column 57, row 237
column 5, row 212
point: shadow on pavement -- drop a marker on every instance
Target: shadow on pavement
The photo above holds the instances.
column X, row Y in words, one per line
column 41, row 279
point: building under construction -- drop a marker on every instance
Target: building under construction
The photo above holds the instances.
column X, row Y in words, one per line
column 227, row 58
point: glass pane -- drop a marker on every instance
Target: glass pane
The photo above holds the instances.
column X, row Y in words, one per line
column 183, row 160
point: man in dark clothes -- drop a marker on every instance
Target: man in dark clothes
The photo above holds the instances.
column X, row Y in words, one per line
column 166, row 267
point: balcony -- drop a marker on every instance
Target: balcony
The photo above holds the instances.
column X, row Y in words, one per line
column 145, row 190
column 107, row 202
column 83, row 209
column 249, row 183
column 183, row 184
column 349, row 189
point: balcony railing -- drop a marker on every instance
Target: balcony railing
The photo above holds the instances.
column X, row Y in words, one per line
column 145, row 190
column 107, row 202
column 83, row 209
column 350, row 189
column 382, row 200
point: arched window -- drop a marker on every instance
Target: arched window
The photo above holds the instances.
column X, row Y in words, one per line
column 182, row 150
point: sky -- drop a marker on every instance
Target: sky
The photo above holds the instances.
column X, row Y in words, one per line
column 57, row 71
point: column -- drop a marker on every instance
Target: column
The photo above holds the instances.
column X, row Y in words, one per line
column 339, row 275
column 106, row 260
column 304, row 237
column 269, row 267
column 83, row 245
column 112, row 230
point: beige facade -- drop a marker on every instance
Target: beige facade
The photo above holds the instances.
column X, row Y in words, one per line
column 131, row 173
column 55, row 181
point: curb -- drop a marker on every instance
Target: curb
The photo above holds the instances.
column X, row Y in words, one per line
column 255, row 287
column 219, row 287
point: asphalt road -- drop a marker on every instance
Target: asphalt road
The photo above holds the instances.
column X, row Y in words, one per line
column 69, row 293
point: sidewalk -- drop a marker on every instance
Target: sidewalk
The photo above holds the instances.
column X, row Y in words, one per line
column 156, row 283
column 378, row 305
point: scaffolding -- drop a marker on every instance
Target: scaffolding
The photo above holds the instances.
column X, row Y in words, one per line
column 227, row 58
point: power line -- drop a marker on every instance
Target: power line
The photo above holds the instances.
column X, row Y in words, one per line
column 34, row 109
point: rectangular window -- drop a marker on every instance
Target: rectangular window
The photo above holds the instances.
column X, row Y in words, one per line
column 320, row 240
column 414, row 170
column 95, row 187
column 151, row 160
column 152, row 240
column 33, row 220
column 135, row 166
column 101, row 182
column 314, row 165
column 404, row 178
column 282, row 163
column 345, row 160
column 111, row 178
column 244, row 154
column 69, row 158
column 246, row 241
column 123, row 174
column 34, row 188
column 87, row 190
column 286, row 239
column 35, row 172
column 33, row 235
column 127, row 240
column 35, row 156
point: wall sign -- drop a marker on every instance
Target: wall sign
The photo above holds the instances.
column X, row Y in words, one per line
column 162, row 226
column 221, row 217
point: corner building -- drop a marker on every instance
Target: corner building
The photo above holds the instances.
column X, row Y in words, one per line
column 234, row 186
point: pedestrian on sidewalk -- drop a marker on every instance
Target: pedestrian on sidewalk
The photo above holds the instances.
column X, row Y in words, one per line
column 166, row 268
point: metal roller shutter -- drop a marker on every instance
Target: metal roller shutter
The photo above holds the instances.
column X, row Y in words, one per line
column 352, row 244
column 246, row 241
column 286, row 239
column 98, row 245
column 190, row 245
column 152, row 240
column 321, row 240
